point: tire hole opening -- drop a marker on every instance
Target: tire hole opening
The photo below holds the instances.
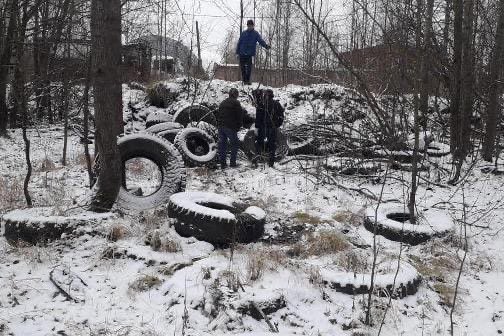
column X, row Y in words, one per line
column 142, row 177
column 401, row 217
column 198, row 146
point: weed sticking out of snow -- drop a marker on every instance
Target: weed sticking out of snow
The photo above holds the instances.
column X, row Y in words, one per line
column 145, row 283
column 11, row 193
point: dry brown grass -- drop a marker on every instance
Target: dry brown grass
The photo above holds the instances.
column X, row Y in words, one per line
column 263, row 259
column 80, row 159
column 327, row 242
column 117, row 232
column 304, row 217
column 353, row 262
column 47, row 165
column 11, row 193
column 145, row 283
column 347, row 217
column 164, row 243
column 446, row 293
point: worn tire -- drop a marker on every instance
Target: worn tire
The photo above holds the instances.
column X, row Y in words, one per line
column 437, row 149
column 432, row 223
column 194, row 113
column 248, row 146
column 196, row 147
column 300, row 146
column 215, row 218
column 208, row 128
column 157, row 117
column 408, row 282
column 164, row 126
column 170, row 134
column 168, row 160
column 40, row 225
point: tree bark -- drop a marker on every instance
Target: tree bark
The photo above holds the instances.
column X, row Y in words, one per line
column 4, row 60
column 106, row 59
column 455, row 104
column 494, row 89
column 467, row 79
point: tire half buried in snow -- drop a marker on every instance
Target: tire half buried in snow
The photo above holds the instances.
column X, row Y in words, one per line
column 168, row 160
column 215, row 218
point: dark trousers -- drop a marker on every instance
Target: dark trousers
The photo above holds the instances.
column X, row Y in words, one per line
column 246, row 67
column 270, row 146
column 224, row 135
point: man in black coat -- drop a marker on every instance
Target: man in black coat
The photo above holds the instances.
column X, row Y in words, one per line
column 229, row 121
column 269, row 117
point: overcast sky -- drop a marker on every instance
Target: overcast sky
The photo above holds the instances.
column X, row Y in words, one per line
column 217, row 17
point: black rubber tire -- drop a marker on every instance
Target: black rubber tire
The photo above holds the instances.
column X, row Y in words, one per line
column 157, row 117
column 164, row 126
column 403, row 231
column 168, row 160
column 170, row 134
column 248, row 146
column 402, row 289
column 208, row 128
column 196, row 147
column 300, row 146
column 235, row 225
column 40, row 225
column 195, row 113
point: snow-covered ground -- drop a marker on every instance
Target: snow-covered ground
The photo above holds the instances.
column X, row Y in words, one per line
column 314, row 237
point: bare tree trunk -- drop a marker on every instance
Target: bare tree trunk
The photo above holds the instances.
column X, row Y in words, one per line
column 85, row 102
column 467, row 77
column 20, row 98
column 106, row 58
column 494, row 89
column 5, row 59
column 455, row 104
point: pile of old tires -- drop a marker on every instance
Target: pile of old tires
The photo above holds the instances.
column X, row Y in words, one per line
column 192, row 130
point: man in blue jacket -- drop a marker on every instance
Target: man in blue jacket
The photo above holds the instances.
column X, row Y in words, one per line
column 246, row 49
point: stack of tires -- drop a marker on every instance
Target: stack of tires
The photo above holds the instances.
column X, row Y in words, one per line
column 192, row 130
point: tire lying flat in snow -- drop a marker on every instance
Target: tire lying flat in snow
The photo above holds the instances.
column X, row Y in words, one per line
column 298, row 145
column 431, row 223
column 168, row 160
column 248, row 146
column 42, row 225
column 196, row 146
column 157, row 117
column 406, row 282
column 215, row 218
column 164, row 126
column 194, row 113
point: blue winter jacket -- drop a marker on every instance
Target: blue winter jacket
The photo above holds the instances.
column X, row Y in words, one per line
column 248, row 41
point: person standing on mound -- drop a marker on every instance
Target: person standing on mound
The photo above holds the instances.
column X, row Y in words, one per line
column 246, row 49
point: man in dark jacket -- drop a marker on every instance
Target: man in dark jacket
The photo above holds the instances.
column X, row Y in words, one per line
column 246, row 49
column 229, row 121
column 269, row 117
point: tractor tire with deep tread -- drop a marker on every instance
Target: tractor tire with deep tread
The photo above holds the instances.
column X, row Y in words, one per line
column 157, row 117
column 164, row 126
column 215, row 218
column 196, row 147
column 195, row 113
column 168, row 160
